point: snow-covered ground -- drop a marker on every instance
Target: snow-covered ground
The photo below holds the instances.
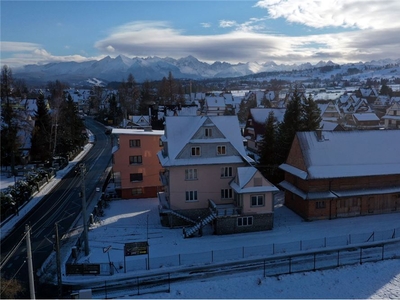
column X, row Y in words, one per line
column 128, row 221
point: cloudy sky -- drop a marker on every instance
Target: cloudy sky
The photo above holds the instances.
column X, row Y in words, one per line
column 284, row 31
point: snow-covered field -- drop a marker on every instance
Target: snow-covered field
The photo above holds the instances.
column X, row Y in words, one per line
column 137, row 220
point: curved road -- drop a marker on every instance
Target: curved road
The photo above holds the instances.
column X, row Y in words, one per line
column 61, row 205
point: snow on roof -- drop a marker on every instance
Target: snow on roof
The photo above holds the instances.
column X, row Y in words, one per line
column 329, row 126
column 179, row 131
column 350, row 153
column 366, row 117
column 215, row 101
column 244, row 175
column 137, row 131
column 260, row 115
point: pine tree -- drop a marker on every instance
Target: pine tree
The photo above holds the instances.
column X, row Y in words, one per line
column 267, row 147
column 10, row 123
column 70, row 128
column 311, row 115
column 244, row 109
column 41, row 144
column 292, row 123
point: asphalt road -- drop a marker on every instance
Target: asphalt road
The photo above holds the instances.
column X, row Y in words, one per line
column 62, row 205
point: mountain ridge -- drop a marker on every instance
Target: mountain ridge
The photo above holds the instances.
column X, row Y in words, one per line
column 155, row 68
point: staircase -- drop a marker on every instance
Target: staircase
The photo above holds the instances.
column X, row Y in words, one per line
column 188, row 232
column 180, row 216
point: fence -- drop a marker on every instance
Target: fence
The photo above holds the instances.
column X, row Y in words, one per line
column 273, row 266
column 139, row 263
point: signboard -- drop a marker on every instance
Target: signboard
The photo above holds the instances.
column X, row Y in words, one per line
column 137, row 248
column 93, row 269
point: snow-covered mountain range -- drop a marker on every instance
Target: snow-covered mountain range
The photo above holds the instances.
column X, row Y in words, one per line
column 155, row 68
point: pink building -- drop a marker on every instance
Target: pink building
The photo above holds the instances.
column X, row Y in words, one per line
column 208, row 178
column 136, row 168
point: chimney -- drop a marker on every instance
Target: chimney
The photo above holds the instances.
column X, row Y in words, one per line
column 318, row 132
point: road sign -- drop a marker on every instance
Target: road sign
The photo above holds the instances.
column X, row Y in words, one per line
column 137, row 248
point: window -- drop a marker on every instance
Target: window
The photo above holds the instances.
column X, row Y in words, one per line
column 191, row 196
column 137, row 191
column 320, row 204
column 136, row 177
column 190, row 174
column 196, row 151
column 135, row 159
column 226, row 172
column 221, row 150
column 208, row 132
column 245, row 221
column 226, row 194
column 257, row 200
column 134, row 143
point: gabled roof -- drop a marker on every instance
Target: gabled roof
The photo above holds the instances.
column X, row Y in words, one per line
column 180, row 130
column 260, row 115
column 244, row 175
column 348, row 154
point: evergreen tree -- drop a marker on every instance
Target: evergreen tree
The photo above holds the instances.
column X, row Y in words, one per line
column 10, row 124
column 292, row 123
column 267, row 148
column 244, row 109
column 70, row 128
column 41, row 134
column 311, row 115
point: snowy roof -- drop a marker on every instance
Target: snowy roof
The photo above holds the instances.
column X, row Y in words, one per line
column 329, row 126
column 260, row 115
column 180, row 130
column 366, row 117
column 137, row 131
column 348, row 154
column 244, row 175
column 215, row 101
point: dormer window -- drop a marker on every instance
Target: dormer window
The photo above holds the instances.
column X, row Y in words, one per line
column 196, row 151
column 221, row 150
column 208, row 132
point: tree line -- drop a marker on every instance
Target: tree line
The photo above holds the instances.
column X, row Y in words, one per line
column 302, row 114
column 56, row 128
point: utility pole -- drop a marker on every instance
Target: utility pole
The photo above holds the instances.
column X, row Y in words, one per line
column 58, row 261
column 30, row 263
column 84, row 215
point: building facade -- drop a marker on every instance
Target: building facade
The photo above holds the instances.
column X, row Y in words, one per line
column 209, row 179
column 136, row 167
column 343, row 173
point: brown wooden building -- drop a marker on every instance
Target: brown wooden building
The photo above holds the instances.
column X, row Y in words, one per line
column 343, row 174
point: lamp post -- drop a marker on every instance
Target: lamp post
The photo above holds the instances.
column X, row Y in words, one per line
column 84, row 215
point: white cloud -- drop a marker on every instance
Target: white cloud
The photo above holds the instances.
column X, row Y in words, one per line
column 18, row 46
column 246, row 42
column 226, row 23
column 205, row 25
column 110, row 49
column 362, row 14
column 30, row 53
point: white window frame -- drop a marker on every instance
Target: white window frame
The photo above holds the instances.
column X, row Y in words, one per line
column 135, row 143
column 137, row 160
column 221, row 150
column 208, row 132
column 245, row 221
column 257, row 199
column 196, row 151
column 226, row 194
column 191, row 196
column 191, row 174
column 226, row 172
